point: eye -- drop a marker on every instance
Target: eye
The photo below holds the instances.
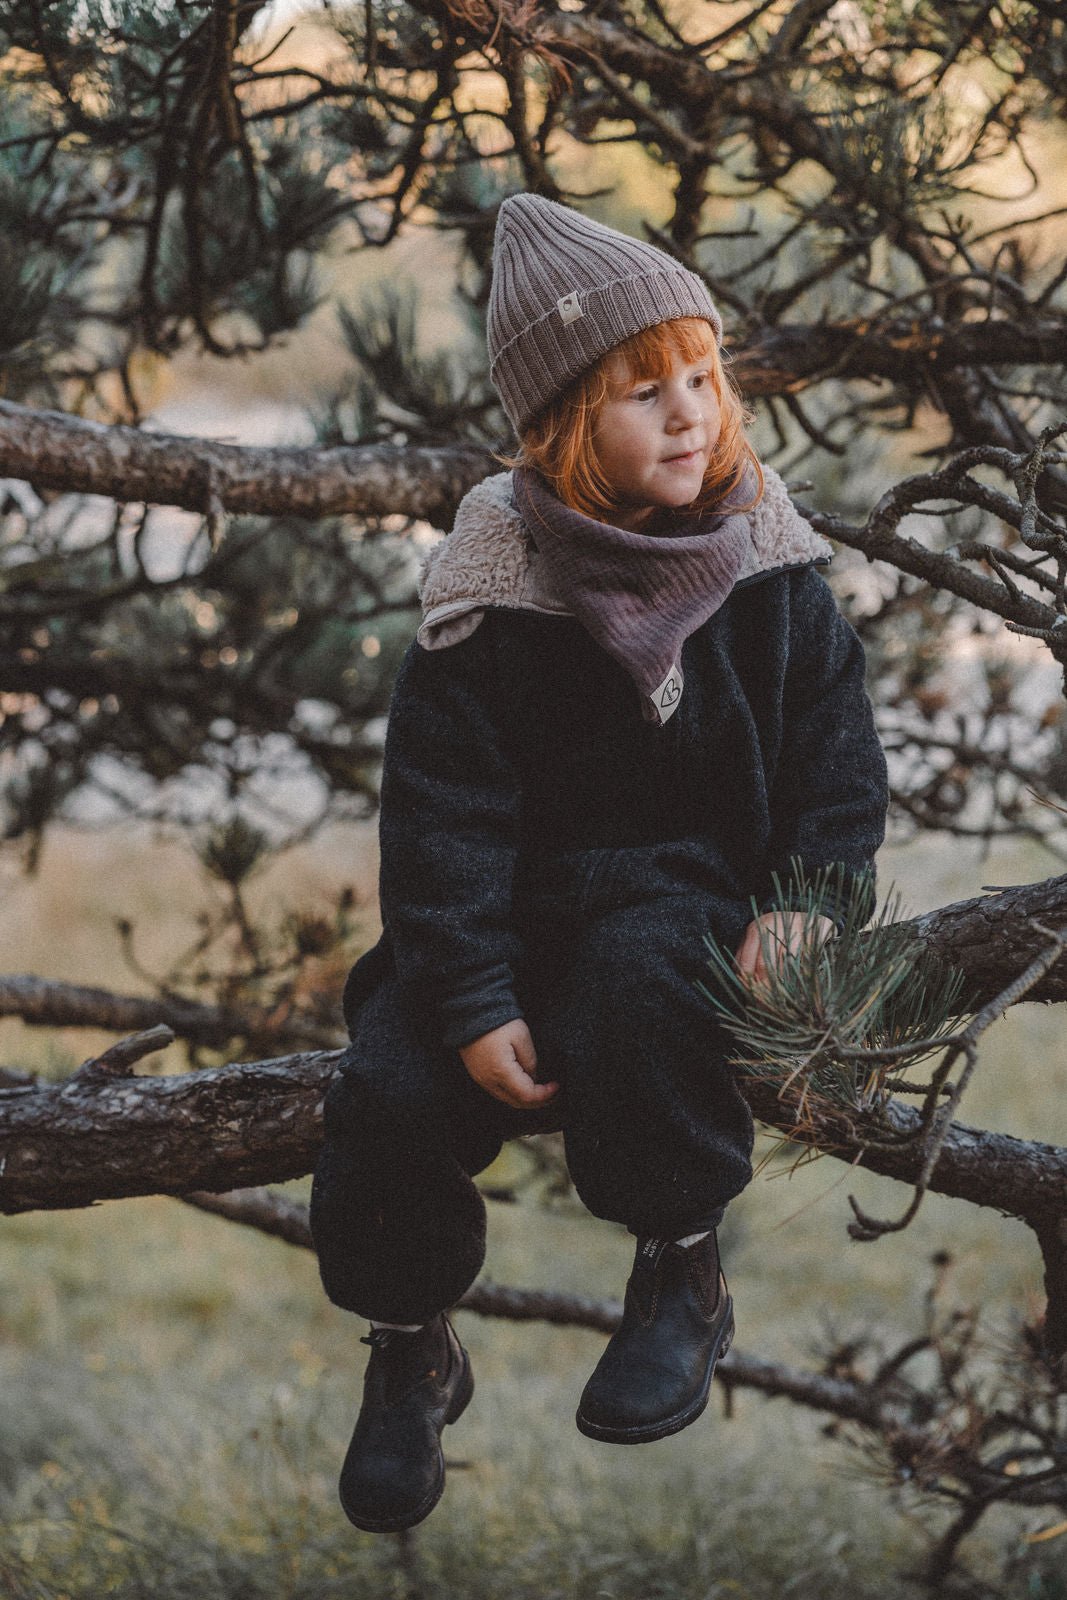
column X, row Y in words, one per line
column 699, row 379
column 646, row 392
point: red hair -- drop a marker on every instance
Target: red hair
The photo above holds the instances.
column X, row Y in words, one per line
column 559, row 444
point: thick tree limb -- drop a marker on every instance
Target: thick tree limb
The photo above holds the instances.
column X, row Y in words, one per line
column 1023, row 1178
column 790, row 358
column 991, row 937
column 68, row 1145
column 53, row 450
column 97, row 1138
column 71, row 1144
column 101, row 1137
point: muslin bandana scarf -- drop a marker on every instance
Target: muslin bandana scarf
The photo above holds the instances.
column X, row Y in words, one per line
column 639, row 595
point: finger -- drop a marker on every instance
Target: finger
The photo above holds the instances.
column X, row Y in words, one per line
column 520, row 1090
column 762, row 963
column 525, row 1054
column 525, row 1100
column 744, row 960
column 754, row 967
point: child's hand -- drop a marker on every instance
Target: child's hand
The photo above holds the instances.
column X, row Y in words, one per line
column 503, row 1062
column 787, row 930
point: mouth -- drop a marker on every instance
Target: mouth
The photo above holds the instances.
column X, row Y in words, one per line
column 684, row 459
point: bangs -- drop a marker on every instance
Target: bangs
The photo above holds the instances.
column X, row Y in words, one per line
column 648, row 354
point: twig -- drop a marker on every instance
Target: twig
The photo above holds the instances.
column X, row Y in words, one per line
column 938, row 1112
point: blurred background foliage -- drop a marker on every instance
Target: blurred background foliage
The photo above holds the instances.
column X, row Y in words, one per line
column 274, row 223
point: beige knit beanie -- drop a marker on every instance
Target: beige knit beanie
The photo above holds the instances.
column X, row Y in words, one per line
column 567, row 290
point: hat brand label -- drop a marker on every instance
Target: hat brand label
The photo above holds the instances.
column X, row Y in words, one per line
column 570, row 307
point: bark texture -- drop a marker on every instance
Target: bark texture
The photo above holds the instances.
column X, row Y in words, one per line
column 99, row 1138
column 52, row 450
column 997, row 934
column 91, row 1139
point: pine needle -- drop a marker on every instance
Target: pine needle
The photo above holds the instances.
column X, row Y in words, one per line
column 841, row 1022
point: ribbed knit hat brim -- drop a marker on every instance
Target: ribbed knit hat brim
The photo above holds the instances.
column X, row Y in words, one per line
column 565, row 291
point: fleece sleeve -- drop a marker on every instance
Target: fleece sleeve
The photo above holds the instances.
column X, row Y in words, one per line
column 449, row 812
column 830, row 796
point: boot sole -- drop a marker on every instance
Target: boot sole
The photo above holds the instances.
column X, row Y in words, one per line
column 645, row 1433
column 459, row 1403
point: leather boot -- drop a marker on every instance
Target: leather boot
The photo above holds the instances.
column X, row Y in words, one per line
column 655, row 1374
column 394, row 1472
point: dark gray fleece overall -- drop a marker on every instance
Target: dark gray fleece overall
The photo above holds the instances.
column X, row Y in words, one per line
column 547, row 853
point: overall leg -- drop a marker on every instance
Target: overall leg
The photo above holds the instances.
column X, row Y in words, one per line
column 658, row 1138
column 400, row 1233
column 658, row 1135
column 398, row 1225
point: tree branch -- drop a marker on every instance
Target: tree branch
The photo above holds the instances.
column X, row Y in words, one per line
column 72, row 1144
column 53, row 450
column 43, row 1002
column 256, row 1122
column 788, row 358
column 69, row 1145
column 992, row 937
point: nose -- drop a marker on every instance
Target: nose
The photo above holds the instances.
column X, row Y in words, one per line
column 684, row 412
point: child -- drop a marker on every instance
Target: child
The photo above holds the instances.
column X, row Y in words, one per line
column 632, row 699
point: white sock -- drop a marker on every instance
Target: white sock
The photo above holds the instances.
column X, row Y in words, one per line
column 401, row 1327
column 692, row 1238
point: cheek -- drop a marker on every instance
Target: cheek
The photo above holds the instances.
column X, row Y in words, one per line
column 614, row 439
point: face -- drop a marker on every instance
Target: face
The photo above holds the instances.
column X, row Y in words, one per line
column 653, row 436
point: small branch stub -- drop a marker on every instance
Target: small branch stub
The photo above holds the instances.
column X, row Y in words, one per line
column 119, row 1060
